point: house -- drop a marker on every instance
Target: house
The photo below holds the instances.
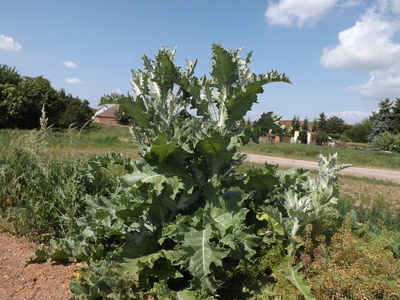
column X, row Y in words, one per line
column 106, row 115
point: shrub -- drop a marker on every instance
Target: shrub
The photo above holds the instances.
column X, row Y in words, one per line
column 385, row 141
column 303, row 136
column 396, row 146
column 321, row 138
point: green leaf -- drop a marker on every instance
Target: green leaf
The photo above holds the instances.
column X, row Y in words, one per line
column 200, row 256
column 296, row 278
column 133, row 267
column 261, row 180
column 224, row 67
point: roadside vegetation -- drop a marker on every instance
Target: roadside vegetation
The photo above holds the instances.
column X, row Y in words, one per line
column 359, row 158
column 180, row 216
column 379, row 132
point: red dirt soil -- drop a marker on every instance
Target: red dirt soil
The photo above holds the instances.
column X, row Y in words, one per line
column 44, row 281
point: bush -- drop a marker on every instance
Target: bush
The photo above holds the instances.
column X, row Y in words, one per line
column 396, row 146
column 321, row 138
column 385, row 141
column 303, row 136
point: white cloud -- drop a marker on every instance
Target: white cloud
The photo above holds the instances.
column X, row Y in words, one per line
column 369, row 46
column 395, row 5
column 366, row 46
column 8, row 44
column 70, row 64
column 74, row 80
column 350, row 3
column 297, row 12
column 381, row 85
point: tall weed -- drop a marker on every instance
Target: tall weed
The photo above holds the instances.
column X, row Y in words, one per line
column 40, row 193
column 352, row 267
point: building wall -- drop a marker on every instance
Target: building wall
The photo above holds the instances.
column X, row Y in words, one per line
column 105, row 120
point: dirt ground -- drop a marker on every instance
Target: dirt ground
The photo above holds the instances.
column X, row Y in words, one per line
column 45, row 281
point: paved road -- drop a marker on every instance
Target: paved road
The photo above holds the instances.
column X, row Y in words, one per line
column 361, row 172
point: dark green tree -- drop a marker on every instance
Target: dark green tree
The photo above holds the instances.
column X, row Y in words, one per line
column 382, row 120
column 74, row 112
column 296, row 124
column 359, row 132
column 305, row 124
column 38, row 92
column 8, row 75
column 322, row 123
column 303, row 136
column 335, row 125
column 22, row 99
column 395, row 118
column 122, row 116
column 303, row 132
column 315, row 125
column 10, row 95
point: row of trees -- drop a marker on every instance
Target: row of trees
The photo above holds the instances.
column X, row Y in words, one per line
column 322, row 126
column 22, row 99
column 333, row 124
column 381, row 130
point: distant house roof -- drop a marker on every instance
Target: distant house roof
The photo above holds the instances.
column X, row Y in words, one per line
column 100, row 110
column 108, row 113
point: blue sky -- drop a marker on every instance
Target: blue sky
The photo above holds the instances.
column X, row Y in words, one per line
column 343, row 56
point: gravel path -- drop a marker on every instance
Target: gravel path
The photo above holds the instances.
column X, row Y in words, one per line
column 41, row 281
column 355, row 171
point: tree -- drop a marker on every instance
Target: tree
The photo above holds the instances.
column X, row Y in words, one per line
column 303, row 136
column 22, row 100
column 9, row 93
column 359, row 132
column 38, row 92
column 335, row 125
column 74, row 112
column 382, row 120
column 296, row 123
column 315, row 125
column 322, row 123
column 395, row 118
column 121, row 115
column 8, row 75
column 304, row 126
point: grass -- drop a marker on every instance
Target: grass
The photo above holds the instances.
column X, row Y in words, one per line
column 374, row 201
column 100, row 139
column 358, row 158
